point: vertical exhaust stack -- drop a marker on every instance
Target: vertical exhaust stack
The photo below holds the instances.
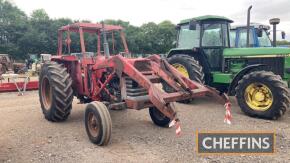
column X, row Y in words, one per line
column 248, row 25
column 106, row 45
column 274, row 22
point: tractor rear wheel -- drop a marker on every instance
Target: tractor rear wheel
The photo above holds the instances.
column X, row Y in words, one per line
column 98, row 123
column 158, row 118
column 55, row 92
column 262, row 94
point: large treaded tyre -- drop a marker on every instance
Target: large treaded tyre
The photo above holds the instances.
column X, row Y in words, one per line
column 262, row 81
column 98, row 123
column 191, row 65
column 55, row 92
column 158, row 118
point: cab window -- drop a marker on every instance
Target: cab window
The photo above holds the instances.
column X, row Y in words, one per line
column 188, row 38
column 242, row 41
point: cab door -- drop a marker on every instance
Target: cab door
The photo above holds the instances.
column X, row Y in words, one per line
column 214, row 39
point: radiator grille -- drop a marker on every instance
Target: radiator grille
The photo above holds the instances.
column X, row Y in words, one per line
column 275, row 65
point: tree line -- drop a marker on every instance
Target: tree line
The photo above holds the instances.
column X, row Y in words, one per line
column 22, row 34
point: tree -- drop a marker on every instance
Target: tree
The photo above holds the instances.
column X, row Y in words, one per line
column 36, row 34
column 13, row 24
column 167, row 35
column 39, row 15
column 284, row 42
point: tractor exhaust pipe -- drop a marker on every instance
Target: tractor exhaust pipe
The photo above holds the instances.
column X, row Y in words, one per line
column 274, row 22
column 106, row 45
column 248, row 25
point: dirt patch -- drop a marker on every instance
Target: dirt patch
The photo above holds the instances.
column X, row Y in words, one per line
column 25, row 135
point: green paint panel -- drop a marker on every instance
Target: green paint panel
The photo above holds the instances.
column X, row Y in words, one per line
column 251, row 52
column 286, row 65
column 206, row 17
column 236, row 65
column 222, row 78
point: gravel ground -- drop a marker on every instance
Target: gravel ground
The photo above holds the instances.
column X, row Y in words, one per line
column 25, row 135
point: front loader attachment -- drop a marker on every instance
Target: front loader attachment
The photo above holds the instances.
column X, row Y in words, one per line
column 141, row 81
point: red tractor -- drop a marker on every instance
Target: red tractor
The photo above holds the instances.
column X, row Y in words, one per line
column 111, row 81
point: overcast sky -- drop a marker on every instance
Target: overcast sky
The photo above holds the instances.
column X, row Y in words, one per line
column 138, row 12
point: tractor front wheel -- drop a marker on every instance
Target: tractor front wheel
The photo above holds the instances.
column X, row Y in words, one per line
column 158, row 118
column 98, row 123
column 55, row 92
column 188, row 67
column 262, row 94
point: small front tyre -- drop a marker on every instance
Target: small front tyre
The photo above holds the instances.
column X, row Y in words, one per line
column 158, row 118
column 98, row 123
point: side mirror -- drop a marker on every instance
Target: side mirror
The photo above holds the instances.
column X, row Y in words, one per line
column 283, row 34
column 259, row 32
column 192, row 25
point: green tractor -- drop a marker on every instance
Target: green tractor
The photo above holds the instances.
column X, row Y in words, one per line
column 258, row 77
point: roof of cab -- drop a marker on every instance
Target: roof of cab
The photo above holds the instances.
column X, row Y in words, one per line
column 255, row 25
column 206, row 17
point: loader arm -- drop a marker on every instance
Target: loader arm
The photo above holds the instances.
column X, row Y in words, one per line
column 142, row 71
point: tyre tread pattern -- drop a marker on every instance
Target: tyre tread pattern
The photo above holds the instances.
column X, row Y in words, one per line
column 280, row 88
column 106, row 123
column 62, row 92
column 196, row 73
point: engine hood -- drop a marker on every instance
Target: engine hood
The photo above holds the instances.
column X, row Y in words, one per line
column 256, row 52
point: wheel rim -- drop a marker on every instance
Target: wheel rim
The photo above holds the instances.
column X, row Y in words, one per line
column 93, row 125
column 258, row 97
column 46, row 93
column 181, row 69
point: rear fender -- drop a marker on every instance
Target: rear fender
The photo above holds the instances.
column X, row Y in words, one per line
column 239, row 76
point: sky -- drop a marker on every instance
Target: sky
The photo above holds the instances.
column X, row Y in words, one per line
column 138, row 12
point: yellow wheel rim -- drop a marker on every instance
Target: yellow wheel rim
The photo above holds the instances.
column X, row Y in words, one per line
column 258, row 97
column 181, row 69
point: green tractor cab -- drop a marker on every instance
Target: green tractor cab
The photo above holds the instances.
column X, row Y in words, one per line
column 258, row 77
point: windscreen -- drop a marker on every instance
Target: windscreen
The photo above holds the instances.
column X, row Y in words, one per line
column 188, row 38
column 264, row 41
column 214, row 34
